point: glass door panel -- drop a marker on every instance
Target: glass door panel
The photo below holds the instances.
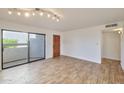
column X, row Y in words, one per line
column 15, row 48
column 36, row 46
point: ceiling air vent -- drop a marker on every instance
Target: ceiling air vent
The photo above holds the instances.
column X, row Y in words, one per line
column 111, row 25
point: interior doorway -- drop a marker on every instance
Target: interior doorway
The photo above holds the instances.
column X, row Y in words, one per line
column 111, row 46
column 56, row 45
column 21, row 47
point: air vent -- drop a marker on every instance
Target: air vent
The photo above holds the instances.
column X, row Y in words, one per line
column 111, row 25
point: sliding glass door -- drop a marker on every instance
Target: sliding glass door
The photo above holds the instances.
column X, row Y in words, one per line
column 20, row 47
column 15, row 48
column 36, row 46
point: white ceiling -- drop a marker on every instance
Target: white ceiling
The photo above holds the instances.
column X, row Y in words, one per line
column 73, row 18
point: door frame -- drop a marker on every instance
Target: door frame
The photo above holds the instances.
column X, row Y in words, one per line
column 28, row 48
column 53, row 45
column 102, row 43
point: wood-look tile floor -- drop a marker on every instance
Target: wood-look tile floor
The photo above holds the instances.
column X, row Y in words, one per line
column 64, row 70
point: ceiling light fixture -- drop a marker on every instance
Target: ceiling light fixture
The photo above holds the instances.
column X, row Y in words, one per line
column 9, row 12
column 57, row 20
column 33, row 14
column 119, row 32
column 41, row 13
column 18, row 13
column 35, row 11
column 48, row 15
column 27, row 14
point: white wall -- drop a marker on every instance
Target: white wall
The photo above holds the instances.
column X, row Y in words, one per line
column 122, row 50
column 83, row 44
column 111, row 45
column 24, row 28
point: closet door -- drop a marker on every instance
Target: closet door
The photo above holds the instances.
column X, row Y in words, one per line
column 36, row 46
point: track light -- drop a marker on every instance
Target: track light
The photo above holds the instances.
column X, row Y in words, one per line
column 9, row 12
column 27, row 14
column 119, row 32
column 34, row 11
column 33, row 14
column 41, row 13
column 57, row 20
column 18, row 13
column 48, row 15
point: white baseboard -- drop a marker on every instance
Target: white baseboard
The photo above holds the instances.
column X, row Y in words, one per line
column 82, row 59
column 122, row 66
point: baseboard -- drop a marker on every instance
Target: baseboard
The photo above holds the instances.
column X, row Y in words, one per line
column 80, row 59
column 122, row 67
column 109, row 59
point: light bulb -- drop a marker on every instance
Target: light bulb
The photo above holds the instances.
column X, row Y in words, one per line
column 57, row 20
column 27, row 14
column 41, row 14
column 119, row 32
column 9, row 12
column 18, row 13
column 33, row 14
column 48, row 15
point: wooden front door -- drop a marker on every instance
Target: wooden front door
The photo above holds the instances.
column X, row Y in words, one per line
column 56, row 45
